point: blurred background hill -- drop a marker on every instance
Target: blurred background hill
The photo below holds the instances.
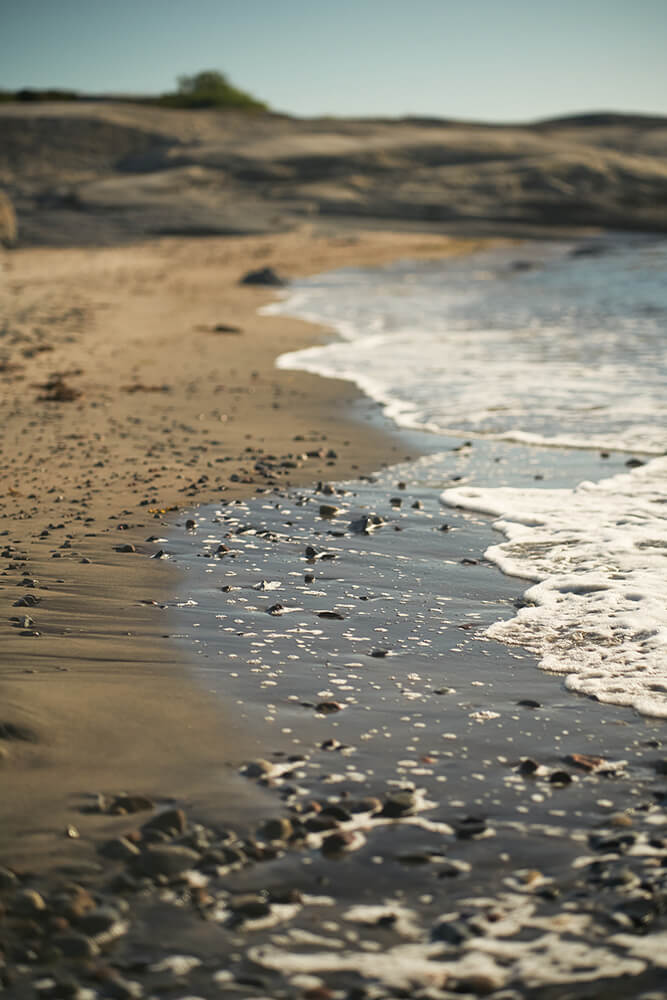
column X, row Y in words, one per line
column 95, row 171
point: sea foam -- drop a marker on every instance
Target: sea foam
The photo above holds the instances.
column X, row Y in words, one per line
column 598, row 555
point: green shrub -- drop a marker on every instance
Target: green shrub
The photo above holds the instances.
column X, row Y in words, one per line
column 209, row 89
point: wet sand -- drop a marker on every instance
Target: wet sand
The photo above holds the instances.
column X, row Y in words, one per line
column 406, row 808
column 122, row 401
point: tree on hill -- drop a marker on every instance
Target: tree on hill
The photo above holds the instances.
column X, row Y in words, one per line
column 210, row 89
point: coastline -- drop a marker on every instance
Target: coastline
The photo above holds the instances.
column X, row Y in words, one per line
column 318, row 867
column 165, row 401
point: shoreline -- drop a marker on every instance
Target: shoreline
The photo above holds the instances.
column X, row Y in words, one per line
column 317, row 867
column 99, row 472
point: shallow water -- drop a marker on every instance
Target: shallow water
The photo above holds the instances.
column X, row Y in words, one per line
column 557, row 344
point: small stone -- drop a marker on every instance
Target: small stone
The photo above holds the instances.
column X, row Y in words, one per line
column 98, row 921
column 171, row 821
column 119, row 849
column 528, row 766
column 73, row 902
column 190, row 524
column 249, row 906
column 263, row 276
column 452, row 931
column 620, row 820
column 560, row 778
column 528, row 703
column 276, row 829
column 73, row 945
column 470, row 826
column 338, row 842
column 257, row 769
column 328, row 707
column 122, row 804
column 168, row 860
column 28, row 903
column 328, row 510
column 399, row 804
column 8, row 879
column 478, row 983
column 369, row 805
column 125, row 548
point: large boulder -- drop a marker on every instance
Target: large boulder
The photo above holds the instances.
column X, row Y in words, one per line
column 8, row 228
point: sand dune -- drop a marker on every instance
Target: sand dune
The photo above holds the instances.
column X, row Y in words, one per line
column 100, row 173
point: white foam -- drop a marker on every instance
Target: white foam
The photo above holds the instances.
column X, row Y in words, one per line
column 597, row 611
column 573, row 356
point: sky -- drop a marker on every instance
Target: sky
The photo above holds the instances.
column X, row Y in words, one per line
column 492, row 60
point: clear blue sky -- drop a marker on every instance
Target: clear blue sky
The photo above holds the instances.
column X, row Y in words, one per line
column 499, row 60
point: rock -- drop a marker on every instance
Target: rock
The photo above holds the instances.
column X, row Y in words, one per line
column 528, row 766
column 99, row 921
column 399, row 804
column 28, row 903
column 8, row 225
column 73, row 945
column 249, row 906
column 226, row 328
column 169, row 861
column 452, row 931
column 119, row 849
column 171, row 821
column 125, row 548
column 369, row 804
column 257, row 769
column 328, row 510
column 328, row 707
column 336, row 615
column 366, row 524
column 560, row 778
column 72, row 902
column 122, row 804
column 8, row 879
column 276, row 829
column 341, row 840
column 263, row 276
column 336, row 812
column 16, row 731
column 470, row 826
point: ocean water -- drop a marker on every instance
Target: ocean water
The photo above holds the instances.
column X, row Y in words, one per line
column 561, row 345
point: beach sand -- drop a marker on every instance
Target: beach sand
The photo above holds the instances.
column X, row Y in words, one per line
column 166, row 410
column 377, row 800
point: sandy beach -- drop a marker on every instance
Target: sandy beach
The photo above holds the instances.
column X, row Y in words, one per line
column 178, row 816
column 122, row 402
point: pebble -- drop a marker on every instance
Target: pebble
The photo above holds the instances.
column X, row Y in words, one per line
column 73, row 945
column 119, row 849
column 171, row 821
column 399, row 804
column 168, row 860
column 122, row 804
column 336, row 843
column 28, row 903
column 276, row 829
column 250, row 907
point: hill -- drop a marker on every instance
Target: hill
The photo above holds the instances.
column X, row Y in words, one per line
column 103, row 172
